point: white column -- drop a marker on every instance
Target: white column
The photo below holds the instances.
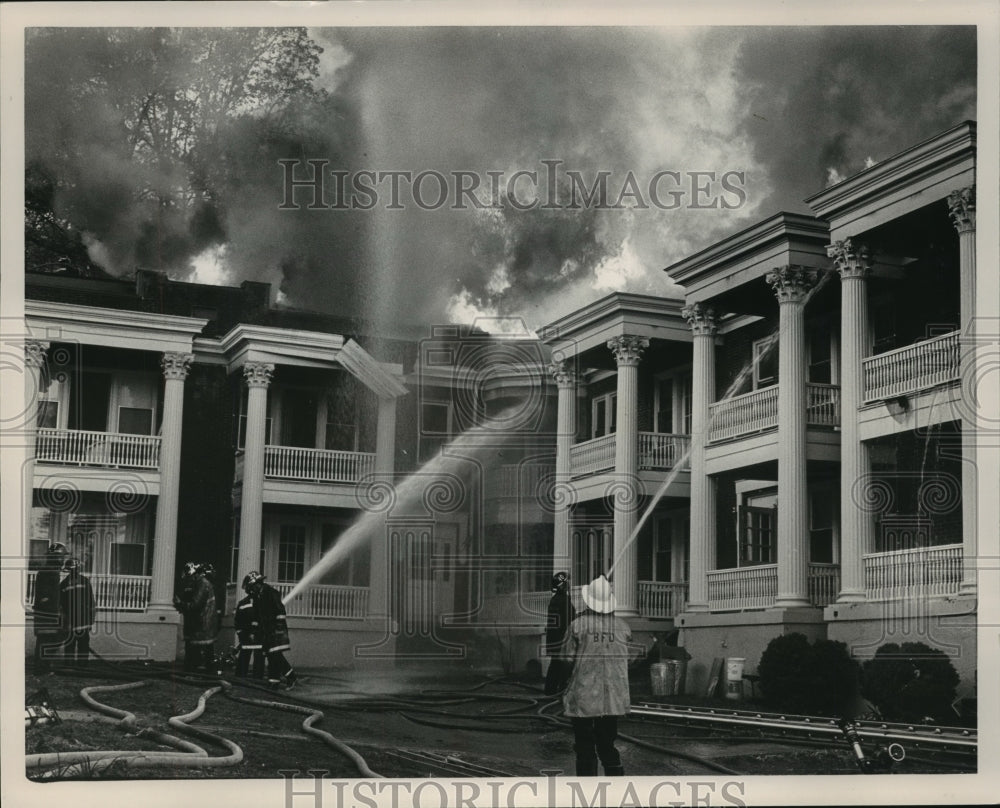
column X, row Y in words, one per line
column 791, row 284
column 962, row 207
column 857, row 526
column 257, row 376
column 385, row 466
column 704, row 323
column 565, row 436
column 175, row 370
column 627, row 350
column 34, row 370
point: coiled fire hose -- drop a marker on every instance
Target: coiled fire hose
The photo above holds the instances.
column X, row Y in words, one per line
column 192, row 754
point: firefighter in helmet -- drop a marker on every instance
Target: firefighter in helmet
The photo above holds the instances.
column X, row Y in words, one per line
column 273, row 628
column 196, row 602
column 246, row 621
column 76, row 607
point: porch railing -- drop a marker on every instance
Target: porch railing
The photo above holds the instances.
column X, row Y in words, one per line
column 661, row 598
column 324, row 600
column 822, row 404
column 912, row 368
column 924, row 571
column 77, row 447
column 593, row 456
column 316, row 465
column 744, row 414
column 122, row 593
column 659, row 450
column 757, row 587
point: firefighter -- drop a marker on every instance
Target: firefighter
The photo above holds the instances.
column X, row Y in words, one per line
column 77, row 608
column 598, row 643
column 560, row 615
column 46, row 624
column 273, row 629
column 247, row 624
column 212, row 660
column 196, row 602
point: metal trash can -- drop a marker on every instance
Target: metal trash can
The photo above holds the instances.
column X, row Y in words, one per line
column 661, row 679
column 734, row 678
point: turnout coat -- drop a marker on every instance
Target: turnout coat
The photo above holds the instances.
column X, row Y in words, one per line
column 597, row 644
column 76, row 599
column 273, row 625
column 196, row 601
column 246, row 621
column 45, row 606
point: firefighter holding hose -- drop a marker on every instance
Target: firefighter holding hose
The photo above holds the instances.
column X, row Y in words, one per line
column 76, row 607
column 560, row 615
column 273, row 629
column 246, row 621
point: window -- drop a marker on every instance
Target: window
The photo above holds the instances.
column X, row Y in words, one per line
column 128, row 559
column 135, row 421
column 435, row 426
column 134, row 402
column 603, row 415
column 820, row 358
column 663, row 420
column 48, row 414
column 765, row 362
column 672, row 404
column 292, row 553
column 821, row 506
column 758, row 528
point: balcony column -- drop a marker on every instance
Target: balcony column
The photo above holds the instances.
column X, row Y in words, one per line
column 258, row 377
column 627, row 496
column 702, row 549
column 34, row 370
column 791, row 285
column 857, row 527
column 962, row 207
column 175, row 370
column 385, row 467
column 565, row 435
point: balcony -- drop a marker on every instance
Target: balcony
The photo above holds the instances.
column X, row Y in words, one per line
column 911, row 369
column 350, row 602
column 316, row 465
column 756, row 587
column 920, row 572
column 120, row 593
column 662, row 599
column 757, row 411
column 658, row 451
column 75, row 447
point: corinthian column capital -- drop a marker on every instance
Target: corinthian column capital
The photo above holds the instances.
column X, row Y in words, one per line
column 702, row 319
column 791, row 283
column 853, row 259
column 34, row 353
column 564, row 375
column 258, row 374
column 962, row 209
column 628, row 349
column 176, row 365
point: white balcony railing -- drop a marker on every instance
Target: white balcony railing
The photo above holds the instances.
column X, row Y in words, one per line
column 593, row 456
column 757, row 587
column 658, row 450
column 924, row 571
column 326, row 601
column 123, row 593
column 822, row 404
column 744, row 414
column 758, row 411
column 76, row 447
column 316, row 465
column 661, row 598
column 913, row 368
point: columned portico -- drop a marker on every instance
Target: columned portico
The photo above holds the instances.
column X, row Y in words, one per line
column 175, row 370
column 962, row 207
column 853, row 262
column 791, row 285
column 704, row 324
column 627, row 496
column 257, row 376
column 565, row 435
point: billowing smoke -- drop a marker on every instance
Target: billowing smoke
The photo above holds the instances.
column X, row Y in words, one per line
column 781, row 109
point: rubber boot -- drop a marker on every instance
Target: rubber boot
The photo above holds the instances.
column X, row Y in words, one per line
column 586, row 767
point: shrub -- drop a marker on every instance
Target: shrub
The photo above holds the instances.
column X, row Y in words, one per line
column 817, row 679
column 911, row 682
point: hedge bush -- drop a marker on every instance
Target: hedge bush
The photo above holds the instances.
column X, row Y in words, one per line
column 814, row 679
column 911, row 682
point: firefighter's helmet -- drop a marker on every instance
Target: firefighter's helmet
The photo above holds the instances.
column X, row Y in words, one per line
column 190, row 569
column 251, row 580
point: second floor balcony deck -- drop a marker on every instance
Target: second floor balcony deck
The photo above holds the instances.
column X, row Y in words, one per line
column 912, row 368
column 316, row 465
column 757, row 411
column 77, row 447
column 658, row 451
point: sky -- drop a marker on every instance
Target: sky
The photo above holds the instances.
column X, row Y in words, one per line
column 781, row 112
